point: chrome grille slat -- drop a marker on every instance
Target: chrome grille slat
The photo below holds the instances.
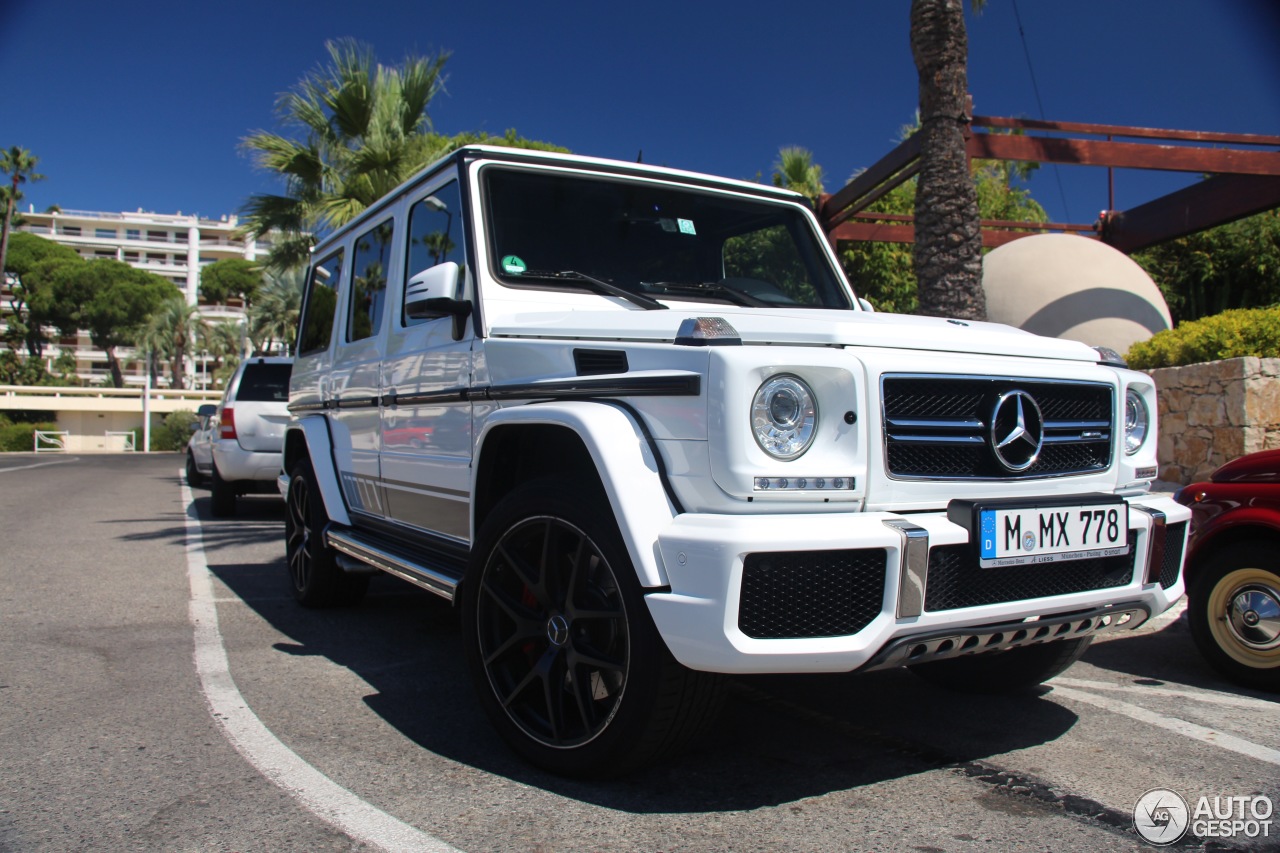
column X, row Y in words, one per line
column 937, row 426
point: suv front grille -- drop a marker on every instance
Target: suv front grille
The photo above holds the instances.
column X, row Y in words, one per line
column 792, row 594
column 956, row 580
column 939, row 427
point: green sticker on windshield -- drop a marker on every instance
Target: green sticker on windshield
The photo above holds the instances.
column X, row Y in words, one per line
column 686, row 226
column 513, row 265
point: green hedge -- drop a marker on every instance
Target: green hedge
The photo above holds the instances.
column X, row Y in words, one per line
column 20, row 437
column 172, row 433
column 1231, row 334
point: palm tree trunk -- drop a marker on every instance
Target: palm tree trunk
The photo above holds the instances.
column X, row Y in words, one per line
column 117, row 375
column 948, row 247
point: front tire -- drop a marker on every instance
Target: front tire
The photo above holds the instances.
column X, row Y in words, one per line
column 314, row 574
column 1010, row 671
column 194, row 478
column 222, row 494
column 1233, row 605
column 566, row 660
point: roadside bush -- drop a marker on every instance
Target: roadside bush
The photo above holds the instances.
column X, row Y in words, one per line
column 173, row 432
column 1231, row 334
column 18, row 438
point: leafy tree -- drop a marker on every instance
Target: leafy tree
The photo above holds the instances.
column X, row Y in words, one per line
column 947, row 253
column 1236, row 265
column 222, row 341
column 795, row 170
column 230, row 277
column 363, row 130
column 109, row 299
column 29, row 260
column 169, row 333
column 274, row 318
column 20, row 166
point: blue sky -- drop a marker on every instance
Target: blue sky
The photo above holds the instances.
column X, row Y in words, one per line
column 143, row 105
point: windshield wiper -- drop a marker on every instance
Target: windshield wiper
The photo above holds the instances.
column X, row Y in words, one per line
column 596, row 285
column 712, row 289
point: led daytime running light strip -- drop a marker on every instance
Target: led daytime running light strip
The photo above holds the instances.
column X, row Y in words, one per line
column 806, row 484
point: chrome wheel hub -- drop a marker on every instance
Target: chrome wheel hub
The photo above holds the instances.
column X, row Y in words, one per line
column 1254, row 616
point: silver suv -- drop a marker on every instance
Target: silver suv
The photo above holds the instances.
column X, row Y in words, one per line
column 249, row 431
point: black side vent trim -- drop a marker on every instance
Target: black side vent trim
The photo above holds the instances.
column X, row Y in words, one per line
column 598, row 362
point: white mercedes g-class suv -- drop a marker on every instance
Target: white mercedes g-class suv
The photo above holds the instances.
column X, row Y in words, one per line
column 635, row 422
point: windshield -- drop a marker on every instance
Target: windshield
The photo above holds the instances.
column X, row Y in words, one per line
column 656, row 240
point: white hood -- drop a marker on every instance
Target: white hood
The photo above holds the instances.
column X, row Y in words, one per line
column 803, row 327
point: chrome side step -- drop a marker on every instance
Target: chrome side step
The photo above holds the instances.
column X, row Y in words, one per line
column 429, row 578
column 940, row 645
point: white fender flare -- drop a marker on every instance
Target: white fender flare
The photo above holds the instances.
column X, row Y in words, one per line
column 315, row 431
column 624, row 458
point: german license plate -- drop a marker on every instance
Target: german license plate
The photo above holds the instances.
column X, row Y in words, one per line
column 1022, row 535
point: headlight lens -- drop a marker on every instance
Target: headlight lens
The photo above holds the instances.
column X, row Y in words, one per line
column 1136, row 421
column 784, row 417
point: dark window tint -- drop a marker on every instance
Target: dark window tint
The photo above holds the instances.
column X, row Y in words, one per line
column 435, row 232
column 264, row 382
column 369, row 281
column 322, row 301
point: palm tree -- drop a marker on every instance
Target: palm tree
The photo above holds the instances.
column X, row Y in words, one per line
column 365, row 130
column 274, row 317
column 222, row 341
column 20, row 166
column 170, row 332
column 795, row 170
column 948, row 248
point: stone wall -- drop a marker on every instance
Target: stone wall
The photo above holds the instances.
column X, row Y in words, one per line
column 1214, row 412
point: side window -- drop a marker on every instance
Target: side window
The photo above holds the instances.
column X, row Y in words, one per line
column 372, row 257
column 322, row 302
column 435, row 233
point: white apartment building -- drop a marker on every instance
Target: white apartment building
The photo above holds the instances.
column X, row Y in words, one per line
column 173, row 246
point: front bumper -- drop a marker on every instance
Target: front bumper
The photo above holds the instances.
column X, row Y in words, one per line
column 894, row 568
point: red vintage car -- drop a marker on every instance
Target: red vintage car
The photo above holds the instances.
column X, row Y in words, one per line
column 1233, row 570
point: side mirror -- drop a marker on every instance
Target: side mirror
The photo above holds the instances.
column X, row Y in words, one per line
column 206, row 411
column 865, row 305
column 429, row 295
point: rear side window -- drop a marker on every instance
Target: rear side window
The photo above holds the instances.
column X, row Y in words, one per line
column 369, row 281
column 264, row 383
column 322, row 302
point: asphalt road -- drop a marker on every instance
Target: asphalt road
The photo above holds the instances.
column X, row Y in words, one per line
column 159, row 690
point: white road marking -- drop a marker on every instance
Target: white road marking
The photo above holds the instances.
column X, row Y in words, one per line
column 1173, row 724
column 1246, row 702
column 254, row 741
column 42, row 464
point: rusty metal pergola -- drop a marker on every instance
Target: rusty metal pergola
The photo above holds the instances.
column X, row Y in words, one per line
column 1243, row 179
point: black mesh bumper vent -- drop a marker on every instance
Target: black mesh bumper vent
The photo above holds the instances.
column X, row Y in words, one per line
column 956, row 580
column 1175, row 537
column 793, row 594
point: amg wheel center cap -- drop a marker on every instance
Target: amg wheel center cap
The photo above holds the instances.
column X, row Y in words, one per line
column 1017, row 430
column 558, row 630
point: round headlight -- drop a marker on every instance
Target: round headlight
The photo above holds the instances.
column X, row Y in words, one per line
column 1136, row 421
column 784, row 417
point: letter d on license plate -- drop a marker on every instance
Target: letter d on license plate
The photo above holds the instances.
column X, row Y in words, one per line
column 1045, row 530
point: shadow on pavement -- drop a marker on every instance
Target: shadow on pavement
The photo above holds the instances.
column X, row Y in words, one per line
column 778, row 740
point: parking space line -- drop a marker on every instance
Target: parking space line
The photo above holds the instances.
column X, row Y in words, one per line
column 1246, row 702
column 1173, row 724
column 316, row 792
column 41, row 464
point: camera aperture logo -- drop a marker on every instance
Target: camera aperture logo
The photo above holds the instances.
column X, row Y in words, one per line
column 1161, row 816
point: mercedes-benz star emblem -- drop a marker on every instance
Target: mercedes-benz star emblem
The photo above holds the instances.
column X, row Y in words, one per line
column 1017, row 430
column 558, row 630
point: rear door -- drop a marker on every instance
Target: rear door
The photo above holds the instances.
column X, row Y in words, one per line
column 261, row 406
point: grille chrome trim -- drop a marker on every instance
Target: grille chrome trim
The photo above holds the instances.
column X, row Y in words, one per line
column 1079, row 426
